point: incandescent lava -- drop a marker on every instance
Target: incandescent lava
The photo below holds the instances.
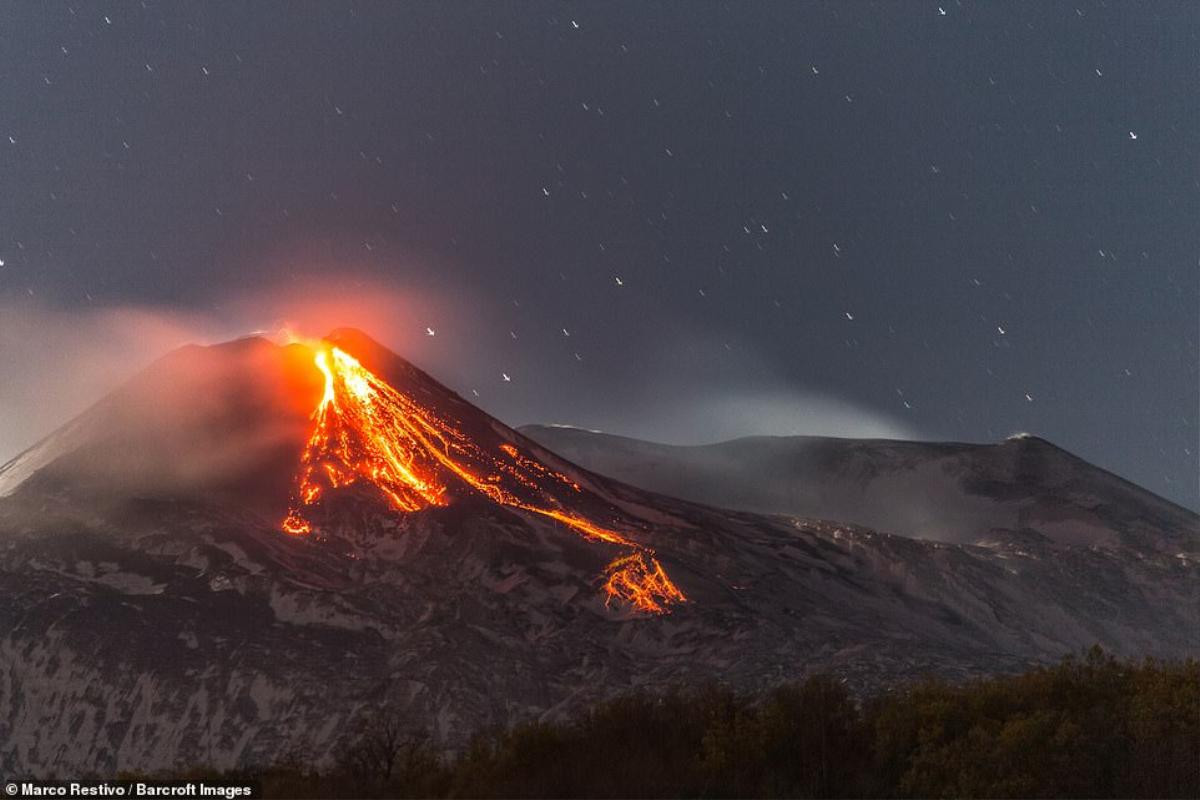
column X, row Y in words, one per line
column 366, row 431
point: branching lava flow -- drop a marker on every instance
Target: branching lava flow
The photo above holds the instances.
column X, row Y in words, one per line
column 364, row 430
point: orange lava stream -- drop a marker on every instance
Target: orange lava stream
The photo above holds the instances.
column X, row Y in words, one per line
column 366, row 430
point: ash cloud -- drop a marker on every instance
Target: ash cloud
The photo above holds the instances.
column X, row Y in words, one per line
column 688, row 388
column 769, row 411
column 56, row 363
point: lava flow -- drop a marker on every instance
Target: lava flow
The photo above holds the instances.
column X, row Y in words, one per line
column 364, row 430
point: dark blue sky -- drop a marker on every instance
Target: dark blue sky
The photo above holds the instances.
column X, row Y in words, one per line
column 853, row 217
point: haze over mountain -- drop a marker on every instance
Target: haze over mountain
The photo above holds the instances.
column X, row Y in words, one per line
column 949, row 492
column 156, row 613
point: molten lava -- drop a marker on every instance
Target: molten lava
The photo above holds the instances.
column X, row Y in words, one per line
column 365, row 431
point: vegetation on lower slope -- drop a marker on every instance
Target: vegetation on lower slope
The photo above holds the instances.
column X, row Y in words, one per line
column 1088, row 727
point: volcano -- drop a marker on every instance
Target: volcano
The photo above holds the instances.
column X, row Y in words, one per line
column 228, row 559
column 417, row 455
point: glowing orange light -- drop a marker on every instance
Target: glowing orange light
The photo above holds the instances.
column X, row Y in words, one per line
column 296, row 524
column 641, row 581
column 365, row 430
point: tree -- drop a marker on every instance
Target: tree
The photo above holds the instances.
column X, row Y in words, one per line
column 386, row 755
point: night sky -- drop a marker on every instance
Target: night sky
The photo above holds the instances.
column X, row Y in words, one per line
column 680, row 221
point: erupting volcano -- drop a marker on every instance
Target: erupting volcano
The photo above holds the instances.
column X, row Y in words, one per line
column 366, row 431
column 439, row 563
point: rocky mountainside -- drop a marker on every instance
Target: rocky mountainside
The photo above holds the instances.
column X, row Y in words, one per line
column 156, row 613
column 949, row 492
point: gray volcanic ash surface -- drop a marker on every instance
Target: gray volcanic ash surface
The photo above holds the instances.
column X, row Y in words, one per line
column 950, row 492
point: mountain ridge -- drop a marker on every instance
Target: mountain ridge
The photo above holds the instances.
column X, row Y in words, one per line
column 157, row 617
column 1020, row 482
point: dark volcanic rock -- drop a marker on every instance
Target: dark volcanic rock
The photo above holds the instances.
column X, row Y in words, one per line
column 154, row 615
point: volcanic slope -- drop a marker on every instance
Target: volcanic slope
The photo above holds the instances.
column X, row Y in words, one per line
column 236, row 553
column 945, row 491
